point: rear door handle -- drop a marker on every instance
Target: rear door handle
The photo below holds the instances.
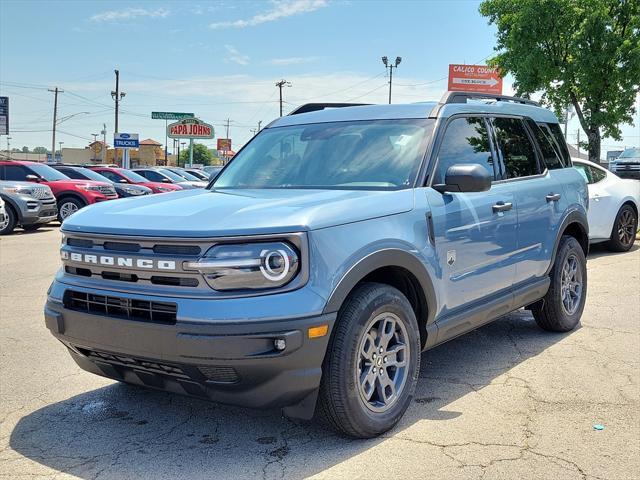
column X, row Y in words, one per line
column 502, row 207
column 553, row 197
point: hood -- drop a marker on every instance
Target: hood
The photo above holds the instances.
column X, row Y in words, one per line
column 77, row 182
column 173, row 186
column 211, row 213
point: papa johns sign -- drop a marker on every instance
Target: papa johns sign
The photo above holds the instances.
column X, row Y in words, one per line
column 189, row 128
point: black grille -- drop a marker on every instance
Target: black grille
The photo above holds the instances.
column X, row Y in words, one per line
column 127, row 308
column 219, row 373
column 199, row 373
column 174, row 281
column 121, row 246
column 177, row 249
column 80, row 242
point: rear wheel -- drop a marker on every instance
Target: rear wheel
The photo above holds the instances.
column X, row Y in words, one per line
column 9, row 223
column 372, row 363
column 67, row 207
column 624, row 230
column 561, row 308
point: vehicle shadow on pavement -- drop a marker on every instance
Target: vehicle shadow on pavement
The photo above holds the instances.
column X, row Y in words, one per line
column 600, row 250
column 122, row 431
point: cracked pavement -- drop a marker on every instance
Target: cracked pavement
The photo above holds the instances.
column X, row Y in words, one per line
column 504, row 402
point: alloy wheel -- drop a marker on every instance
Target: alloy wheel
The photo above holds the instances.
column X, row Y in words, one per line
column 67, row 209
column 5, row 222
column 383, row 362
column 571, row 284
column 626, row 228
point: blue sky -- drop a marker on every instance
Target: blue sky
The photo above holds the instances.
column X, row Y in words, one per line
column 221, row 60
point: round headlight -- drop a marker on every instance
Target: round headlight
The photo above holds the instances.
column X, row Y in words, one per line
column 248, row 266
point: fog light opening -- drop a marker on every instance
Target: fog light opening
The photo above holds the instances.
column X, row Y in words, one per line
column 280, row 344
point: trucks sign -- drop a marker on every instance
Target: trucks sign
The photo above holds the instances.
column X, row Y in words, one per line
column 4, row 115
column 190, row 128
column 475, row 78
column 170, row 115
column 126, row 140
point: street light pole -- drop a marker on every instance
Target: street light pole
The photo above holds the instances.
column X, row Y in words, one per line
column 117, row 95
column 55, row 114
column 280, row 84
column 391, row 66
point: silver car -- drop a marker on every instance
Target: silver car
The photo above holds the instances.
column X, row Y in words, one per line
column 27, row 205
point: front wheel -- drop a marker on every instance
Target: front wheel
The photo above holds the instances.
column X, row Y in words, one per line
column 561, row 308
column 9, row 222
column 372, row 363
column 624, row 230
column 67, row 207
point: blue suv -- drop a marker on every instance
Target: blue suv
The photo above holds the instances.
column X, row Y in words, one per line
column 339, row 243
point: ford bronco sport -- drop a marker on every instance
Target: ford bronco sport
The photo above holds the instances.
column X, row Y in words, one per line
column 336, row 246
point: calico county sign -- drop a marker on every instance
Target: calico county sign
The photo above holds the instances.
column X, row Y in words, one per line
column 475, row 78
column 190, row 128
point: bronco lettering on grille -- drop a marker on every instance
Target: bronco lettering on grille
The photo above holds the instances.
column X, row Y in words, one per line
column 118, row 261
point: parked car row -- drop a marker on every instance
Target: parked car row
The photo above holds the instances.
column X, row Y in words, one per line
column 34, row 194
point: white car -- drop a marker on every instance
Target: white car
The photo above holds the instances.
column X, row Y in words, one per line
column 613, row 206
column 3, row 214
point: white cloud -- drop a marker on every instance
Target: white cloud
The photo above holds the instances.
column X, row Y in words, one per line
column 280, row 9
column 235, row 56
column 128, row 14
column 291, row 61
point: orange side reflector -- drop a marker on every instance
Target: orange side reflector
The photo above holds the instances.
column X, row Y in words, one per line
column 319, row 331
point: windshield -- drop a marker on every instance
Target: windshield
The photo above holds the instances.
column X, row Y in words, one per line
column 48, row 173
column 91, row 175
column 132, row 176
column 173, row 176
column 629, row 154
column 372, row 154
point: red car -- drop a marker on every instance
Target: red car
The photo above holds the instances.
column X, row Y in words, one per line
column 122, row 175
column 71, row 195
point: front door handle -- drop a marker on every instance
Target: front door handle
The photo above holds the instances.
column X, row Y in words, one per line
column 502, row 207
column 553, row 197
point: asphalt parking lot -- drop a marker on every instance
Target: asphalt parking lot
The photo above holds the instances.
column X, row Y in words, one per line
column 508, row 401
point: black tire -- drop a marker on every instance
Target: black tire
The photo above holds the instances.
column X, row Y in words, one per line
column 552, row 313
column 31, row 228
column 341, row 404
column 624, row 230
column 68, row 203
column 9, row 224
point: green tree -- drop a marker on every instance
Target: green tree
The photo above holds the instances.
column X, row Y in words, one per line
column 40, row 150
column 201, row 155
column 584, row 53
column 25, row 149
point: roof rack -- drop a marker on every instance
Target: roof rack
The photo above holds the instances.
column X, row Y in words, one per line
column 462, row 97
column 314, row 107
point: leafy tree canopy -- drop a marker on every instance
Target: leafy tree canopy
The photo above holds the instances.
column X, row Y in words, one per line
column 201, row 155
column 584, row 53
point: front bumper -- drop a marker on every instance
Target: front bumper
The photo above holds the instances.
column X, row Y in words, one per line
column 228, row 362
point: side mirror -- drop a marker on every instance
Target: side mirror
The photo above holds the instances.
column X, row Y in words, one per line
column 465, row 177
column 122, row 180
column 32, row 178
column 166, row 180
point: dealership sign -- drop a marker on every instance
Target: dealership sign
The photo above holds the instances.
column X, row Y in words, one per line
column 4, row 115
column 190, row 128
column 475, row 78
column 126, row 140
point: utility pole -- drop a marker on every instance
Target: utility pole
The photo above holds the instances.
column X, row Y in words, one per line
column 117, row 96
column 280, row 84
column 228, row 122
column 104, row 142
column 55, row 120
column 391, row 66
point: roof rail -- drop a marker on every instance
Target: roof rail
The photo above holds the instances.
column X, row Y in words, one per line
column 314, row 107
column 462, row 97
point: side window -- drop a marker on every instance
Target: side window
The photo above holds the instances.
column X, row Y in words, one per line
column 560, row 142
column 153, row 176
column 518, row 154
column 466, row 140
column 584, row 171
column 15, row 172
column 550, row 155
column 597, row 174
column 110, row 175
column 71, row 173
